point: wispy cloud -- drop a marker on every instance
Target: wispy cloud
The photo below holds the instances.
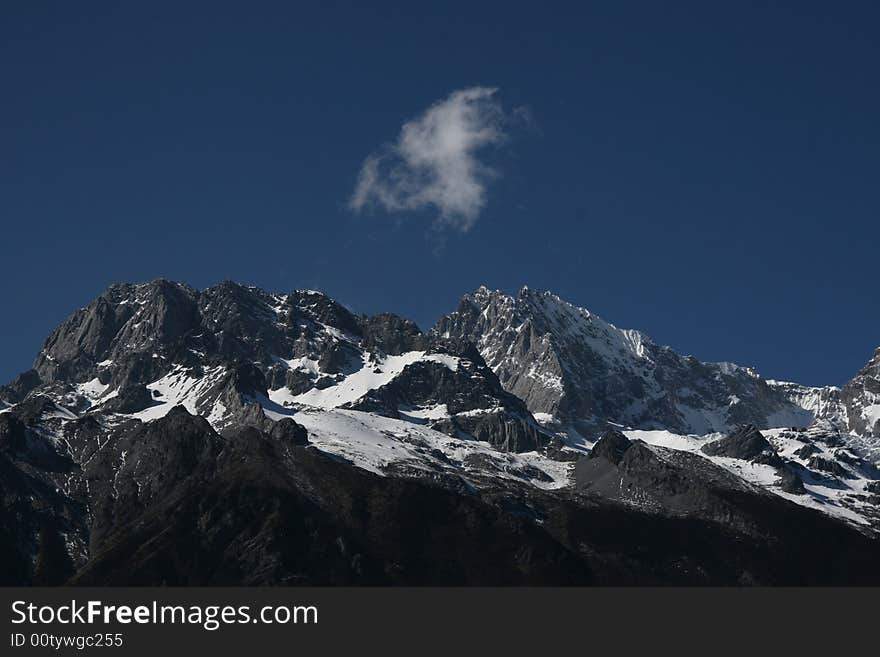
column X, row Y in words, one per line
column 435, row 161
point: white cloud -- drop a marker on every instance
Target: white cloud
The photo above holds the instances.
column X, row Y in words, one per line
column 434, row 163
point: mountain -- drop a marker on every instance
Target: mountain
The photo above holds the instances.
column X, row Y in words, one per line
column 577, row 372
column 168, row 435
column 230, row 350
column 861, row 401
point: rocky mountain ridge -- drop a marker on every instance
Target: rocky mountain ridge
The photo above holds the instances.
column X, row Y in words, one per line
column 221, row 350
column 158, row 393
column 577, row 373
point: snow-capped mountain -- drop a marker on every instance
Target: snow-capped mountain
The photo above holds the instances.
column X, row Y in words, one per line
column 159, row 405
column 578, row 372
column 861, row 400
column 140, row 350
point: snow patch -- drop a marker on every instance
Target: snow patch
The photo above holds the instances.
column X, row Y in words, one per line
column 373, row 374
column 374, row 442
column 93, row 389
column 178, row 388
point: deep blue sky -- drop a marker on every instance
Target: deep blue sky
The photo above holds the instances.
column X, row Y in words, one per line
column 707, row 172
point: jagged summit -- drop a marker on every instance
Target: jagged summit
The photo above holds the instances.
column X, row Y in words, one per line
column 578, row 371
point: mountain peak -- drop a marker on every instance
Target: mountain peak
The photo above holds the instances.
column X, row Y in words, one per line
column 574, row 368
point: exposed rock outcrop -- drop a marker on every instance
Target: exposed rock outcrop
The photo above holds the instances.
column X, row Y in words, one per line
column 746, row 443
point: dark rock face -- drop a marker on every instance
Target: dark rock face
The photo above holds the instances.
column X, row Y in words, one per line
column 130, row 399
column 164, row 312
column 323, row 522
column 18, row 389
column 143, row 465
column 31, row 410
column 828, row 465
column 288, row 431
column 790, row 482
column 12, row 434
column 806, row 451
column 20, row 440
column 36, row 526
column 746, row 443
column 845, row 457
column 655, row 478
column 42, row 530
column 392, row 335
column 505, row 432
column 321, row 308
column 611, row 447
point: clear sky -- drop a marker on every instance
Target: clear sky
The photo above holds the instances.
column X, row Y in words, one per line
column 706, row 172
